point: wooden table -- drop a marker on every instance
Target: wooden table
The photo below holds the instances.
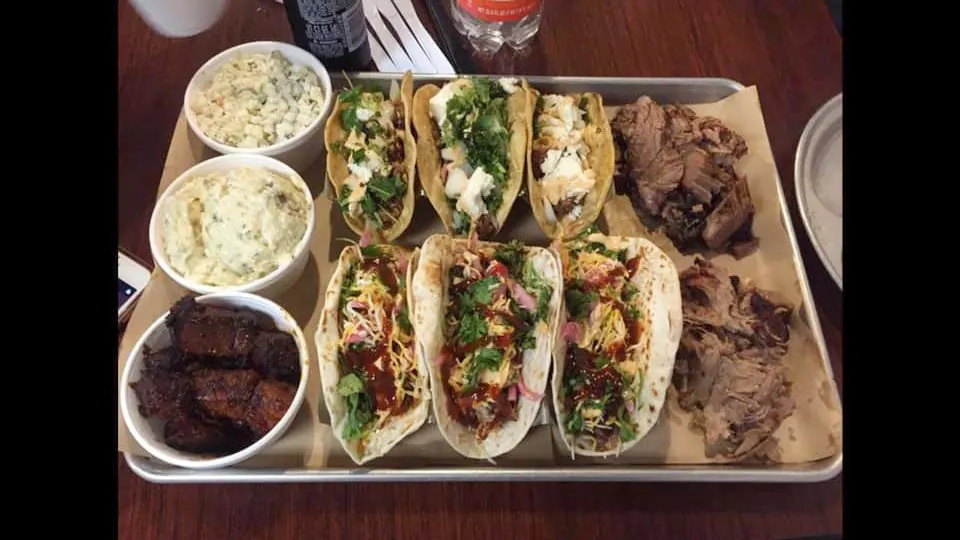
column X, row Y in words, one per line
column 790, row 50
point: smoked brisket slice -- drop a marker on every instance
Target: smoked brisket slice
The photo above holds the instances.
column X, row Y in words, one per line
column 679, row 170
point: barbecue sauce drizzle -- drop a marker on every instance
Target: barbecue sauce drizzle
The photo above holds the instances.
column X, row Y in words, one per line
column 460, row 405
column 379, row 384
column 599, row 381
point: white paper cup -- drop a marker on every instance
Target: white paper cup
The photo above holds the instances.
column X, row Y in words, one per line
column 180, row 18
column 271, row 285
column 149, row 433
column 300, row 151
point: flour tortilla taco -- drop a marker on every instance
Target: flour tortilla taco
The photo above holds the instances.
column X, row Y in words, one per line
column 619, row 334
column 375, row 382
column 372, row 157
column 486, row 317
column 471, row 148
column 570, row 161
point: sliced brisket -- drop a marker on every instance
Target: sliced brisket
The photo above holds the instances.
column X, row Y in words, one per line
column 678, row 170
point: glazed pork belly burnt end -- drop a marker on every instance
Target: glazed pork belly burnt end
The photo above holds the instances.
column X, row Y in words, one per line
column 729, row 372
column 227, row 379
column 678, row 169
column 193, row 435
column 226, row 338
column 268, row 404
column 223, row 394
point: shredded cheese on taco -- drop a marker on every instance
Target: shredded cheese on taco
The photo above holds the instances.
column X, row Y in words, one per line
column 601, row 378
column 378, row 371
column 496, row 309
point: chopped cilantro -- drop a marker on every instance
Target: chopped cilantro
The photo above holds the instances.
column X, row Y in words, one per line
column 626, row 429
column 344, row 200
column 371, row 251
column 479, row 292
column 512, row 255
column 578, row 301
column 477, row 116
column 461, row 222
column 525, row 337
column 346, row 289
column 472, row 327
column 350, row 95
column 349, row 384
column 574, row 423
column 597, row 247
column 380, row 191
column 372, row 128
column 359, row 406
column 385, row 188
column 486, row 359
column 348, row 116
column 535, row 285
column 404, row 319
column 592, row 229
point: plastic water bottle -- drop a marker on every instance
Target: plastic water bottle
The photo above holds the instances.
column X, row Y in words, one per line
column 488, row 24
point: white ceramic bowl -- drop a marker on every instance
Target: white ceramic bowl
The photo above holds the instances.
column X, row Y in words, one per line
column 270, row 285
column 149, row 433
column 300, row 151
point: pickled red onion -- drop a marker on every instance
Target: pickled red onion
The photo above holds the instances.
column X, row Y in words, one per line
column 571, row 332
column 528, row 393
column 526, row 301
column 366, row 238
column 357, row 336
column 512, row 393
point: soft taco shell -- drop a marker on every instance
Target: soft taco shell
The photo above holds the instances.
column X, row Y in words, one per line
column 338, row 172
column 430, row 298
column 598, row 137
column 328, row 335
column 430, row 163
column 659, row 301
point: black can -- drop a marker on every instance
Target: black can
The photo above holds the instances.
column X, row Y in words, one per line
column 335, row 31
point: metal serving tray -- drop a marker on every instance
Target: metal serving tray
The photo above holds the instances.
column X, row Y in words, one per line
column 615, row 91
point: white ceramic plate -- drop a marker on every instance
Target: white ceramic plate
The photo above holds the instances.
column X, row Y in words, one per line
column 818, row 171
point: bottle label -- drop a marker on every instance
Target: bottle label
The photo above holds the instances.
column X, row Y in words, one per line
column 499, row 10
column 333, row 27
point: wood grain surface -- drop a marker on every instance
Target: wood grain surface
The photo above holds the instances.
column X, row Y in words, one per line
column 790, row 50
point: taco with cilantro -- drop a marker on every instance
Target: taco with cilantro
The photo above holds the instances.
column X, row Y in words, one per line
column 486, row 317
column 471, row 149
column 375, row 383
column 619, row 333
column 570, row 161
column 372, row 157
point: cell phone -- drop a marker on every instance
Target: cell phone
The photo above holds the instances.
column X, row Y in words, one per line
column 132, row 277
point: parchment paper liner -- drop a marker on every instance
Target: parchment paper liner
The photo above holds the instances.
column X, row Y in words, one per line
column 813, row 432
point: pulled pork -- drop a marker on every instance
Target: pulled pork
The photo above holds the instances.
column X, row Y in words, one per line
column 729, row 371
column 677, row 168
